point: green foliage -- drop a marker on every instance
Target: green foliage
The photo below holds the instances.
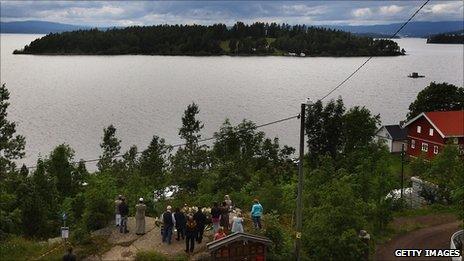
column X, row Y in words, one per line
column 209, row 40
column 437, row 97
column 11, row 145
column 447, row 38
column 18, row 248
column 155, row 256
column 98, row 200
column 111, row 146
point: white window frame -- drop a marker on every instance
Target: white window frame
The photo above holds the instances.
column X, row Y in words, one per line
column 419, row 129
column 425, row 147
column 435, row 149
column 413, row 144
column 431, row 132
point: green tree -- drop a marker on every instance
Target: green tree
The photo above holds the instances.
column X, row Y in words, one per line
column 11, row 145
column 60, row 168
column 190, row 161
column 111, row 147
column 154, row 161
column 359, row 128
column 437, row 97
column 323, row 128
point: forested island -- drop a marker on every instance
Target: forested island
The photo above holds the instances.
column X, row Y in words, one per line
column 447, row 38
column 217, row 39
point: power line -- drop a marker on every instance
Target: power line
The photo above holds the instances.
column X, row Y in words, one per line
column 368, row 59
column 283, row 119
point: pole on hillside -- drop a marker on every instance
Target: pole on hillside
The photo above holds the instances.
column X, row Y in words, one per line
column 402, row 171
column 299, row 206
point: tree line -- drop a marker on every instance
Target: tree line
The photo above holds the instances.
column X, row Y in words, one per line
column 447, row 38
column 218, row 39
column 348, row 176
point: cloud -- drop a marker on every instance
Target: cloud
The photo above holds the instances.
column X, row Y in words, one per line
column 362, row 12
column 391, row 9
column 121, row 13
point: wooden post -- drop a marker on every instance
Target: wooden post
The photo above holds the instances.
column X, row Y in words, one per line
column 402, row 171
column 299, row 206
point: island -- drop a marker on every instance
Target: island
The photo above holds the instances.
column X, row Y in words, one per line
column 218, row 39
column 447, row 38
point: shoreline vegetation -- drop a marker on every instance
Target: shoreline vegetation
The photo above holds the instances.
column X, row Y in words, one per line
column 257, row 39
column 447, row 38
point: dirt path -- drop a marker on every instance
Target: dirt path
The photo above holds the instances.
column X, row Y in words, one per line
column 125, row 246
column 434, row 237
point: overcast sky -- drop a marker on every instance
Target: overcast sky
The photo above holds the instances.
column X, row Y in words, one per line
column 122, row 13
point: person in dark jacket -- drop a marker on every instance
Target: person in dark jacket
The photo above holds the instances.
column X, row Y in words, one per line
column 168, row 224
column 215, row 216
column 124, row 212
column 224, row 217
column 200, row 219
column 181, row 220
column 190, row 233
column 69, row 256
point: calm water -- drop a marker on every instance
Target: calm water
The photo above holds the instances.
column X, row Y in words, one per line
column 56, row 99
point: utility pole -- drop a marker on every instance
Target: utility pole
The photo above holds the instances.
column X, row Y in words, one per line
column 299, row 202
column 402, row 171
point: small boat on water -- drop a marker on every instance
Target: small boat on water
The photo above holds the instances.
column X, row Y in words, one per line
column 415, row 75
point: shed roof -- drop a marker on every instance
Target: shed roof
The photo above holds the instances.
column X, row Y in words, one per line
column 237, row 237
column 396, row 132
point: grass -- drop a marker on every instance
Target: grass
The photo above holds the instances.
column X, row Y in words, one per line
column 18, row 248
column 155, row 256
column 426, row 210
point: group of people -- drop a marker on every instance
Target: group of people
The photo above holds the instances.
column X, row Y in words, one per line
column 122, row 214
column 189, row 226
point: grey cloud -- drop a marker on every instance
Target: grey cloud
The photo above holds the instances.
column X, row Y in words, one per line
column 108, row 13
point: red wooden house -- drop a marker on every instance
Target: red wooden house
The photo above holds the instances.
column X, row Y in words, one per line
column 430, row 131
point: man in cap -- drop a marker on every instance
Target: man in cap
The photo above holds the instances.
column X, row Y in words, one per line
column 168, row 222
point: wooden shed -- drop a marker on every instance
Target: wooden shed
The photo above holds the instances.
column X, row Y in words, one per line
column 239, row 246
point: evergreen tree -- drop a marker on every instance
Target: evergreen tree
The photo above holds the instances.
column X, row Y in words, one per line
column 154, row 161
column 111, row 147
column 11, row 145
column 189, row 162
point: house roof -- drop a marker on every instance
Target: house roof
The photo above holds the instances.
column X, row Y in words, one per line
column 447, row 123
column 237, row 237
column 396, row 132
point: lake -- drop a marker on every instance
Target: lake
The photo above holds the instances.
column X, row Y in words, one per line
column 70, row 99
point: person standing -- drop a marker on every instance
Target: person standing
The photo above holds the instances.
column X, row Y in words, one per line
column 124, row 211
column 181, row 220
column 117, row 202
column 225, row 217
column 200, row 219
column 228, row 202
column 168, row 224
column 190, row 233
column 256, row 213
column 215, row 216
column 140, row 217
column 237, row 223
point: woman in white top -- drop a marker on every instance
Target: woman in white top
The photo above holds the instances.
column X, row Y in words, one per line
column 237, row 223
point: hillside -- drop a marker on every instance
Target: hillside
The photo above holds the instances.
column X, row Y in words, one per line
column 37, row 27
column 218, row 39
column 413, row 29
